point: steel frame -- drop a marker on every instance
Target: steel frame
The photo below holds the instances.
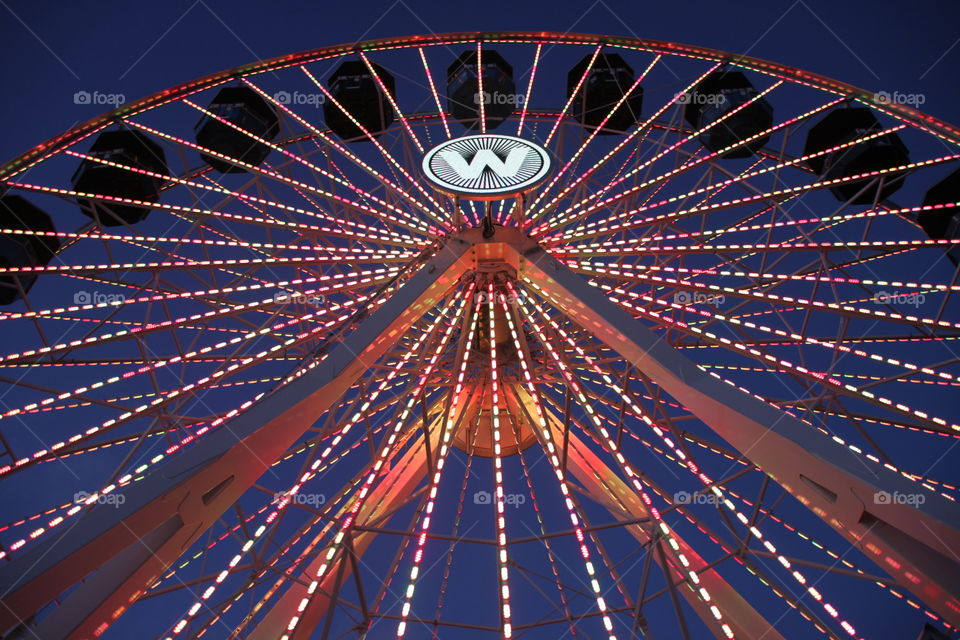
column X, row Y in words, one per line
column 117, row 553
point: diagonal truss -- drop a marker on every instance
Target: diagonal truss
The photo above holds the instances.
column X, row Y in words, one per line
column 115, row 554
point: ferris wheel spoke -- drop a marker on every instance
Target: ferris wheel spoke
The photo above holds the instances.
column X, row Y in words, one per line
column 138, row 330
column 215, row 298
column 178, row 209
column 314, row 167
column 782, row 195
column 410, row 221
column 768, row 513
column 843, row 307
column 222, row 312
column 573, row 94
column 361, row 231
column 564, row 604
column 435, row 213
column 690, row 577
column 547, row 441
column 359, row 256
column 933, row 423
column 593, row 134
column 698, row 472
column 248, row 545
column 137, row 473
column 543, row 225
column 388, row 447
column 235, row 365
column 372, row 473
column 742, row 226
column 393, row 103
column 774, row 582
column 384, row 210
column 300, row 560
column 533, row 74
column 452, row 416
column 571, row 214
column 433, row 92
column 760, row 279
column 565, row 252
column 591, row 229
column 500, row 528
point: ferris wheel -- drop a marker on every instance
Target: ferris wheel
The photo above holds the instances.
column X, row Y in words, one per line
column 474, row 335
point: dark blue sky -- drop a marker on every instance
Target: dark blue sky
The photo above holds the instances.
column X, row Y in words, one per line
column 54, row 49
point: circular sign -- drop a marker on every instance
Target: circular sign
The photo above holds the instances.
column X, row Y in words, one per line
column 487, row 166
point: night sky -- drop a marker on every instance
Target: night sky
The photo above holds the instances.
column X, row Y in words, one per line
column 55, row 50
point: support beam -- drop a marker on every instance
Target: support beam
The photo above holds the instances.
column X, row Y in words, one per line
column 405, row 474
column 605, row 487
column 917, row 545
column 120, row 550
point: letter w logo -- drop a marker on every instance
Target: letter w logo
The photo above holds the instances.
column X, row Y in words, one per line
column 484, row 159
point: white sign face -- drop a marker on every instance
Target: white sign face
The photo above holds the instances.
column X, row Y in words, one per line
column 487, row 166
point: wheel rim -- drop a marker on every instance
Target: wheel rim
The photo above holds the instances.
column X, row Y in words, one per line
column 237, row 285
